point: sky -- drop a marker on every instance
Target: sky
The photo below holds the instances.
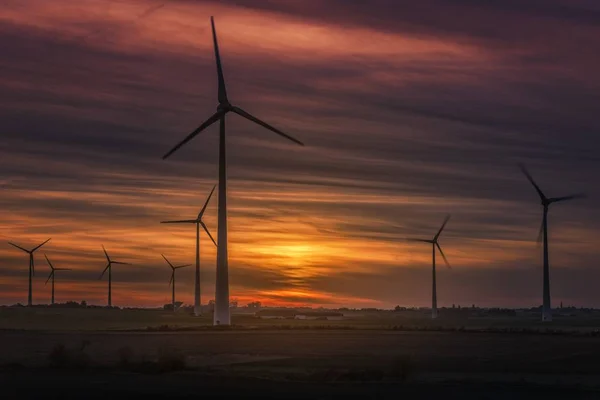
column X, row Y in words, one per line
column 409, row 110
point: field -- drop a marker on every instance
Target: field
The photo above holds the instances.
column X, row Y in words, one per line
column 156, row 353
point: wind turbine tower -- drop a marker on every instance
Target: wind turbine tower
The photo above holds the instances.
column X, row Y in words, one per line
column 543, row 234
column 434, row 243
column 52, row 275
column 222, row 312
column 172, row 280
column 31, row 267
column 109, row 269
column 198, row 222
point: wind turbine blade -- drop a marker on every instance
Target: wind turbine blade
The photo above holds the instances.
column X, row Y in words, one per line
column 120, row 263
column 537, row 188
column 252, row 118
column 222, row 89
column 214, row 118
column 442, row 228
column 168, row 262
column 184, row 221
column 35, row 248
column 103, row 272
column 443, row 256
column 209, row 235
column 571, row 197
column 49, row 263
column 31, row 260
column 63, row 269
column 418, row 240
column 18, row 247
column 49, row 276
column 206, row 203
column 106, row 254
column 540, row 233
column 182, row 266
column 172, row 275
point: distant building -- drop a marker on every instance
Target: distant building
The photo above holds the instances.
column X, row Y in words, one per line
column 255, row 305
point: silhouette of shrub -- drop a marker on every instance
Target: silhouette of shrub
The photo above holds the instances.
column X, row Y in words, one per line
column 125, row 357
column 59, row 356
column 327, row 375
column 362, row 374
column 80, row 358
column 402, row 368
column 169, row 361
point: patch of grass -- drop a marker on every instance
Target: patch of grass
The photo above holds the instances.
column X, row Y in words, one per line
column 170, row 361
column 346, row 375
column 62, row 357
column 402, row 368
column 125, row 357
column 59, row 356
column 167, row 361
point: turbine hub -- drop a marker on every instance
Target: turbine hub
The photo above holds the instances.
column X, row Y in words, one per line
column 225, row 106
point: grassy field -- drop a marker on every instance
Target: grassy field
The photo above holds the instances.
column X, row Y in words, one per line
column 365, row 355
column 101, row 319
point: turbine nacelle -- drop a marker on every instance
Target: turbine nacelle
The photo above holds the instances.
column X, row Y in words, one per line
column 110, row 263
column 435, row 242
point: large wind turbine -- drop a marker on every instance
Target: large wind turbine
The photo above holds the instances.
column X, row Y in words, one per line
column 546, row 307
column 198, row 221
column 222, row 315
column 31, row 267
column 109, row 268
column 434, row 243
column 172, row 280
column 52, row 274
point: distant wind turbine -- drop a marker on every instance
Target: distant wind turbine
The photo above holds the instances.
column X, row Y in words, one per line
column 52, row 275
column 546, row 307
column 31, row 267
column 172, row 280
column 434, row 243
column 109, row 268
column 222, row 313
column 198, row 221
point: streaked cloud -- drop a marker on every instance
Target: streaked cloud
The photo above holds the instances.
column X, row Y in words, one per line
column 410, row 112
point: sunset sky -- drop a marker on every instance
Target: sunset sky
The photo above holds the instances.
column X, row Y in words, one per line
column 409, row 111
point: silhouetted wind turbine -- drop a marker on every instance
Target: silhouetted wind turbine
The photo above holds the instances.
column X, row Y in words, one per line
column 172, row 280
column 52, row 274
column 198, row 221
column 434, row 243
column 109, row 268
column 222, row 314
column 31, row 267
column 546, row 307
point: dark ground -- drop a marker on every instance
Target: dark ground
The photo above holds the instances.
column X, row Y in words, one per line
column 187, row 386
column 306, row 364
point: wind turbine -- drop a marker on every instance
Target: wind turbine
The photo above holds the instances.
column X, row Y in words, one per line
column 434, row 243
column 109, row 268
column 198, row 221
column 222, row 314
column 546, row 307
column 52, row 274
column 172, row 280
column 31, row 267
